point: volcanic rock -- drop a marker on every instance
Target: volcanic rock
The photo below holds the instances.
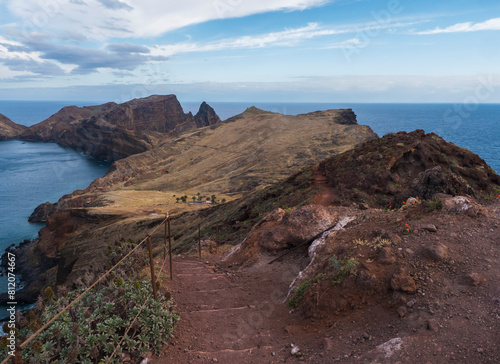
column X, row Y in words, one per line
column 390, row 170
column 41, row 213
column 461, row 205
column 403, row 282
column 114, row 131
column 438, row 252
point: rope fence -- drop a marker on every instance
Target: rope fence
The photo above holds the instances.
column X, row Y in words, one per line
column 17, row 358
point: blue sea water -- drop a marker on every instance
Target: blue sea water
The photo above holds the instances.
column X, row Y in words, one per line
column 33, row 173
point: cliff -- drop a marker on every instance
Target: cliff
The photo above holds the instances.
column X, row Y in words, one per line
column 10, row 130
column 114, row 131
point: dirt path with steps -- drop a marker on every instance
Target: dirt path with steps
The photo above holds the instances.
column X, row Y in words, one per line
column 325, row 195
column 230, row 317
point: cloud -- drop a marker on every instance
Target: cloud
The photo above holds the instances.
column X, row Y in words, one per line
column 39, row 56
column 491, row 24
column 287, row 37
column 136, row 18
column 353, row 42
column 115, row 5
column 90, row 60
column 44, row 68
column 127, row 48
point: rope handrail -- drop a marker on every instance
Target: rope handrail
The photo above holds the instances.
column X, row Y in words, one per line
column 84, row 292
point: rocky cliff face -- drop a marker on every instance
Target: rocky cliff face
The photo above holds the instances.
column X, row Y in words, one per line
column 113, row 131
column 10, row 130
column 206, row 116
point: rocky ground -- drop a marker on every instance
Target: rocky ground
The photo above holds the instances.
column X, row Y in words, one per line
column 430, row 296
column 383, row 264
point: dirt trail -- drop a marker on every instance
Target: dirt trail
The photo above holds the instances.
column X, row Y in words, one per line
column 229, row 317
column 325, row 195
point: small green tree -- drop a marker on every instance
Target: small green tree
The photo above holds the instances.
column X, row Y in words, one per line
column 194, row 198
column 223, row 200
column 212, row 198
column 177, row 199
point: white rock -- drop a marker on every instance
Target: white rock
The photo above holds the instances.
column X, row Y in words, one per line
column 390, row 347
column 295, row 350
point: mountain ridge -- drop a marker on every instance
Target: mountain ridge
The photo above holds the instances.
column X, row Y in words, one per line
column 113, row 131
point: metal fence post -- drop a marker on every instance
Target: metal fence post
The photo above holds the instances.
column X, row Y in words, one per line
column 217, row 238
column 199, row 240
column 170, row 248
column 151, row 263
column 165, row 240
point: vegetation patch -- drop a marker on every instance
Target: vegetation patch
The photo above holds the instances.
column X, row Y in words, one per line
column 298, row 294
column 435, row 204
column 90, row 330
column 343, row 268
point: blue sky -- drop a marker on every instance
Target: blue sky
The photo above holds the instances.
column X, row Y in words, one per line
column 260, row 50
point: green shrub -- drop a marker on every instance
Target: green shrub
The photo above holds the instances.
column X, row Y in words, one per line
column 343, row 268
column 298, row 295
column 90, row 330
column 435, row 204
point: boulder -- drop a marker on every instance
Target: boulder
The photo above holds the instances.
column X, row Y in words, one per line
column 461, row 205
column 430, row 228
column 438, row 252
column 476, row 279
column 403, row 282
column 299, row 226
column 391, row 351
column 435, row 180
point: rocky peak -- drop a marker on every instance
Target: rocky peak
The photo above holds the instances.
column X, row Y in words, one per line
column 206, row 116
column 114, row 131
column 160, row 113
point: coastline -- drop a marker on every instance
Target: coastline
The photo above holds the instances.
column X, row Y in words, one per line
column 27, row 274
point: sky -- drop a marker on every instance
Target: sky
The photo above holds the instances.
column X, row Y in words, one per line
column 259, row 50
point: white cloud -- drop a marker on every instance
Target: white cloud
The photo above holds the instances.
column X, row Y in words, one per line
column 286, row 37
column 491, row 24
column 353, row 42
column 104, row 19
